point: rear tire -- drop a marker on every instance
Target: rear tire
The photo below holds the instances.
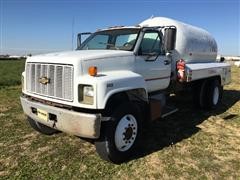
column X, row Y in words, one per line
column 214, row 94
column 208, row 94
column 120, row 135
column 41, row 127
column 199, row 95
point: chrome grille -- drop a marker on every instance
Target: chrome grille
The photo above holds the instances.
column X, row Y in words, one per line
column 60, row 78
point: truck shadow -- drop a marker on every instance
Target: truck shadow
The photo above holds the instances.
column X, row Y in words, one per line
column 181, row 125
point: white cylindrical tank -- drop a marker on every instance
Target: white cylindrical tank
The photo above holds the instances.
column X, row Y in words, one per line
column 193, row 44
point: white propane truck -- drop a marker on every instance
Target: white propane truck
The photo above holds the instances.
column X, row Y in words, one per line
column 118, row 79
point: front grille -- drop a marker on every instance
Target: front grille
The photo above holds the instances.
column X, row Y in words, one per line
column 59, row 77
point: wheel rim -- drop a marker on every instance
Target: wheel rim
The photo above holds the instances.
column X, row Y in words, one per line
column 126, row 132
column 215, row 95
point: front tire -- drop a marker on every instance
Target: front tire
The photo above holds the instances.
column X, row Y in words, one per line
column 41, row 127
column 120, row 135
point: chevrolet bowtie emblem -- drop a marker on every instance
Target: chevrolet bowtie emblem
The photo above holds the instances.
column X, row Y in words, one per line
column 44, row 80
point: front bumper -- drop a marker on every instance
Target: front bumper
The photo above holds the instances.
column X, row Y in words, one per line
column 72, row 122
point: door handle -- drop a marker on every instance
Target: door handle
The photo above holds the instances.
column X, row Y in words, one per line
column 166, row 62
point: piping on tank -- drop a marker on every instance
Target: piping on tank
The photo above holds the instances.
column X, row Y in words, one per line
column 193, row 44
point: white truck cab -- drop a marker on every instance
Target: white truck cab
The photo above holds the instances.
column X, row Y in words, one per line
column 105, row 89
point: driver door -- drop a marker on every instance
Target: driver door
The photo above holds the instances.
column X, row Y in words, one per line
column 152, row 63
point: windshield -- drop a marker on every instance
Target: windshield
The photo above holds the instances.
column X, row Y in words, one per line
column 117, row 39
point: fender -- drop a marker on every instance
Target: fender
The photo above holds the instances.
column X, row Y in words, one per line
column 118, row 81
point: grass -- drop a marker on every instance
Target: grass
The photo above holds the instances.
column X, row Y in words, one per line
column 191, row 144
column 10, row 72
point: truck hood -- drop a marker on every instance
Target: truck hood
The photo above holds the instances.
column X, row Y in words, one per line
column 74, row 57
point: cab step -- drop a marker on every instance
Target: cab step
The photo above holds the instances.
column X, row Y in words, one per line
column 168, row 110
column 159, row 108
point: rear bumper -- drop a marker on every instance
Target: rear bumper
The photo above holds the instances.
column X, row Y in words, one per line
column 72, row 122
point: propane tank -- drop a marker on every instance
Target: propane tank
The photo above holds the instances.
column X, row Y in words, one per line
column 193, row 44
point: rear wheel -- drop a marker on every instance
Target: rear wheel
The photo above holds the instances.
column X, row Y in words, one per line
column 208, row 94
column 120, row 135
column 200, row 94
column 214, row 94
column 41, row 127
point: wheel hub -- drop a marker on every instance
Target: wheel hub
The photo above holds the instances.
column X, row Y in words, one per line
column 126, row 132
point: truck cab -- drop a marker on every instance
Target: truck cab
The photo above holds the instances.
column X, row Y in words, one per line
column 146, row 49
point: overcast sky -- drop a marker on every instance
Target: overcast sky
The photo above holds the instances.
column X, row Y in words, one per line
column 40, row 26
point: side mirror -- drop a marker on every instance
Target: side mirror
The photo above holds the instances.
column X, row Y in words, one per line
column 80, row 38
column 169, row 38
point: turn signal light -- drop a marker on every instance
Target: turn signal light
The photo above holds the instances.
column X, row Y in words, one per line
column 92, row 70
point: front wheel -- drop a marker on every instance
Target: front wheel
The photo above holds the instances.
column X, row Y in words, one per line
column 120, row 135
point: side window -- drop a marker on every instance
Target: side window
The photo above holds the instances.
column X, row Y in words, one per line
column 151, row 43
column 98, row 42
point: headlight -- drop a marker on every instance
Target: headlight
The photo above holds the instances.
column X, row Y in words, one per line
column 85, row 94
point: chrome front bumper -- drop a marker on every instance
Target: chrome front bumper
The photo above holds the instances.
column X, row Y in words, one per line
column 72, row 122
